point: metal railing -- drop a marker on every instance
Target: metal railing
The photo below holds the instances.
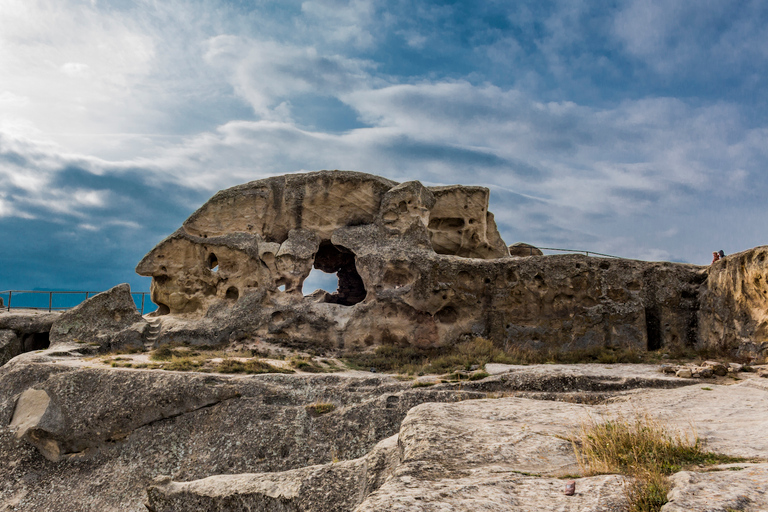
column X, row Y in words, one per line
column 579, row 251
column 36, row 299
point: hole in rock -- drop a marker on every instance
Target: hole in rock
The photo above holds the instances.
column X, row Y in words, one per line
column 332, row 259
column 35, row 341
column 213, row 262
column 319, row 280
column 281, row 287
column 232, row 293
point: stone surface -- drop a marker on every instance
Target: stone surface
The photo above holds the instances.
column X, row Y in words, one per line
column 10, row 345
column 733, row 487
column 23, row 332
column 226, row 441
column 734, row 304
column 108, row 320
column 521, row 250
column 335, row 487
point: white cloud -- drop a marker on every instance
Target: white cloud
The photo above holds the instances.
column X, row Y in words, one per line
column 265, row 73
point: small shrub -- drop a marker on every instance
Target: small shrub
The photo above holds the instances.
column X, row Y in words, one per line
column 479, row 375
column 319, row 408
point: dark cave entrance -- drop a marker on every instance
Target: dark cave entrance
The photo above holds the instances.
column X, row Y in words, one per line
column 35, row 341
column 653, row 327
column 333, row 259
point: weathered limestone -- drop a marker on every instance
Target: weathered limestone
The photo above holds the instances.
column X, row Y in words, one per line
column 505, row 454
column 417, row 265
column 733, row 487
column 337, row 487
column 59, row 418
column 734, row 304
column 109, row 319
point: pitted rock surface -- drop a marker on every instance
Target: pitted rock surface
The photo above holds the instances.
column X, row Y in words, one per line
column 420, row 266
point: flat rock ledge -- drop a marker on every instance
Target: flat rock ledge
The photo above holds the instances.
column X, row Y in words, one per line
column 506, row 454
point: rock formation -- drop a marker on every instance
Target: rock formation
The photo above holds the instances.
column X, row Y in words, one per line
column 422, row 266
column 733, row 313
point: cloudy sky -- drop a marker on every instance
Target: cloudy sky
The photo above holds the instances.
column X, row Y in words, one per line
column 637, row 128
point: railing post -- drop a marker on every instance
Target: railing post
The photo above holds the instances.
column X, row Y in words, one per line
column 10, row 292
column 50, row 301
column 142, row 302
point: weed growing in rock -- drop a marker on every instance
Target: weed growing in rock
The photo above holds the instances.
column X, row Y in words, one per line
column 319, row 408
column 644, row 448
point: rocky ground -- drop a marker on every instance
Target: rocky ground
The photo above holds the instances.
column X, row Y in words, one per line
column 78, row 434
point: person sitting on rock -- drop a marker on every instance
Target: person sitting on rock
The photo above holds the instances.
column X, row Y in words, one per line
column 721, row 253
column 715, row 257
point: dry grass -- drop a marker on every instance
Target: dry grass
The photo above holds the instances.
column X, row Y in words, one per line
column 479, row 352
column 644, row 448
column 319, row 408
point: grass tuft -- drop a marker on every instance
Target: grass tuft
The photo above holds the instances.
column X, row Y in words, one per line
column 644, row 448
column 319, row 408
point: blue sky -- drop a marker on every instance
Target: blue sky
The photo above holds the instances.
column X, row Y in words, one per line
column 635, row 128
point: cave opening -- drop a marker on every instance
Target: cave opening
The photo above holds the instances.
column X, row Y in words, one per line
column 35, row 341
column 653, row 327
column 332, row 259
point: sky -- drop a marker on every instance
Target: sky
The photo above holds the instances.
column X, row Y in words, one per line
column 634, row 128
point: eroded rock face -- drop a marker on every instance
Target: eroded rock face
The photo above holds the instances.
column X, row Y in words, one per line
column 734, row 304
column 265, row 236
column 108, row 319
column 416, row 265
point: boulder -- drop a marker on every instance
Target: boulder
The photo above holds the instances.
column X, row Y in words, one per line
column 717, row 368
column 24, row 332
column 108, row 320
column 521, row 250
